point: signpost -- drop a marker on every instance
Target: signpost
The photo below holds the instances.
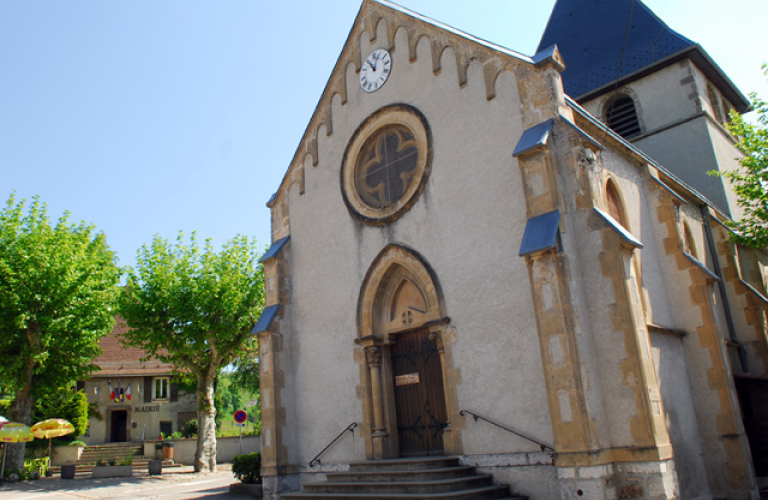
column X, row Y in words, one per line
column 240, row 417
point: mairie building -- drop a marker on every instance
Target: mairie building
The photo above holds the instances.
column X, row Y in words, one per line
column 512, row 274
column 137, row 399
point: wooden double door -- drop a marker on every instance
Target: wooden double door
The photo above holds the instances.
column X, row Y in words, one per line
column 419, row 394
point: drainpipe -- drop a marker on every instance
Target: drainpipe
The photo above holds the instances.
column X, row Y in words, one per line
column 721, row 284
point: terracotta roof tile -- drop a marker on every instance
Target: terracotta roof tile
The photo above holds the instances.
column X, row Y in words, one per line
column 118, row 360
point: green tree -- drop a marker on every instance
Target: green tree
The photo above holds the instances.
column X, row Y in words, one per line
column 69, row 404
column 195, row 308
column 751, row 178
column 246, row 373
column 231, row 395
column 57, row 293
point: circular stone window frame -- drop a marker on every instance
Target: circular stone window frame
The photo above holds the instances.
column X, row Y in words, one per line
column 396, row 114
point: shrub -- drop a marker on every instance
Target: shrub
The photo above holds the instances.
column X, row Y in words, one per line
column 77, row 442
column 190, row 428
column 247, row 468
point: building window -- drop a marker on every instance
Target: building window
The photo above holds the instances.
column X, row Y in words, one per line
column 615, row 207
column 621, row 116
column 386, row 164
column 385, row 168
column 160, row 388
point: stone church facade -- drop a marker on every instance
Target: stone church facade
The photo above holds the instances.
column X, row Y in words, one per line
column 457, row 237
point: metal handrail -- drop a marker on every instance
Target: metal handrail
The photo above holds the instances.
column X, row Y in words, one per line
column 501, row 426
column 349, row 428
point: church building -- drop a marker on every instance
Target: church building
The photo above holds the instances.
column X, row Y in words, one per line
column 495, row 275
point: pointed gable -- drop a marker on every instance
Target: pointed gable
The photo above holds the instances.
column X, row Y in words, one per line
column 372, row 16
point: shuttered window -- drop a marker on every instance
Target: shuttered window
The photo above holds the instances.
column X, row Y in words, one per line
column 160, row 389
column 621, row 116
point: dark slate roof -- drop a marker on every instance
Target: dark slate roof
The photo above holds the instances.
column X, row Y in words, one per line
column 590, row 36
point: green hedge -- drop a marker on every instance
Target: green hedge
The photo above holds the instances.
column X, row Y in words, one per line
column 247, row 468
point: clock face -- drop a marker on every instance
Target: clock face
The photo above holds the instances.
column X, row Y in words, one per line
column 375, row 70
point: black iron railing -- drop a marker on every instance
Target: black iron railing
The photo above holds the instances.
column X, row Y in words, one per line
column 502, row 426
column 350, row 428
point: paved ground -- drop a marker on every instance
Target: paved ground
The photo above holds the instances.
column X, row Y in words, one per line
column 174, row 486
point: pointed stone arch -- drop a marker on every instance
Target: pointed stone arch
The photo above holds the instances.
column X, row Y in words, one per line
column 400, row 292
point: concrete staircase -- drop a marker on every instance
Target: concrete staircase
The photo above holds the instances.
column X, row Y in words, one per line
column 403, row 479
column 117, row 452
column 111, row 451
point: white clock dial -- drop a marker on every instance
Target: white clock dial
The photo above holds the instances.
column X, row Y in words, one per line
column 375, row 70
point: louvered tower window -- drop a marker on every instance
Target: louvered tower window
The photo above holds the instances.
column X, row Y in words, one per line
column 621, row 116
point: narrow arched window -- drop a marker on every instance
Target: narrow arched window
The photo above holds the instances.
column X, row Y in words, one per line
column 690, row 243
column 714, row 102
column 621, row 116
column 615, row 207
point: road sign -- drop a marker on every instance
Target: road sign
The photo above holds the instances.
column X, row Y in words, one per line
column 239, row 424
column 240, row 416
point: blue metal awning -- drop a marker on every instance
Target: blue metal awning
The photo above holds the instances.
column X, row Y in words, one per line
column 534, row 137
column 540, row 233
column 537, row 136
column 268, row 315
column 276, row 246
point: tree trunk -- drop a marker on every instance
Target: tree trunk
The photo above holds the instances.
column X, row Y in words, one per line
column 20, row 411
column 205, row 457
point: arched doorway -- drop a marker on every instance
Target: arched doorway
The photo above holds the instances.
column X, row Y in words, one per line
column 402, row 323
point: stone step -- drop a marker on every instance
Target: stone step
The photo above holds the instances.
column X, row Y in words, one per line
column 405, row 478
column 453, row 484
column 484, row 493
column 430, row 474
column 404, row 464
column 111, row 451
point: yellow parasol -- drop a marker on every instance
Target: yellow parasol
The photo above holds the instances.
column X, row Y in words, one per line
column 52, row 428
column 13, row 432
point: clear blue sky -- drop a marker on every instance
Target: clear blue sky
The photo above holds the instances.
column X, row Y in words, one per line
column 148, row 117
